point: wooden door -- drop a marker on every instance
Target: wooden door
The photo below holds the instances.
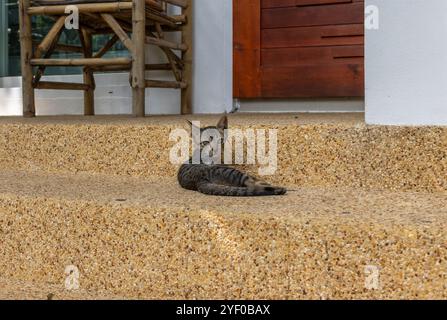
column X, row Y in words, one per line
column 298, row 48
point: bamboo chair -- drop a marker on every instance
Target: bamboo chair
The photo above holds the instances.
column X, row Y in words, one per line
column 145, row 20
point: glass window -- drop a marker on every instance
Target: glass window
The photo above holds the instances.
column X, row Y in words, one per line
column 10, row 46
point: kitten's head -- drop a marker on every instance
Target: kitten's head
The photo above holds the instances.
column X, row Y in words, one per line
column 210, row 133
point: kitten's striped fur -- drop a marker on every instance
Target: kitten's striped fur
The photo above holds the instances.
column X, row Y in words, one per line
column 223, row 180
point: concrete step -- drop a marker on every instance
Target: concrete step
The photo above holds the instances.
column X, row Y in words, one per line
column 327, row 150
column 144, row 237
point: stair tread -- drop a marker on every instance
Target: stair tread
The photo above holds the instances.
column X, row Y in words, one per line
column 301, row 203
column 164, row 242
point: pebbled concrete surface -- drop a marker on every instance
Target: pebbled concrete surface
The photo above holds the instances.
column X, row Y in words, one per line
column 137, row 237
column 322, row 150
column 99, row 193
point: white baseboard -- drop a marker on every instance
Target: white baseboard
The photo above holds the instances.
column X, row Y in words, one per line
column 302, row 105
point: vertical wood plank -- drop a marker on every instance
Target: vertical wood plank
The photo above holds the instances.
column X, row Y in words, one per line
column 138, row 57
column 26, row 52
column 287, row 48
column 187, row 37
column 247, row 48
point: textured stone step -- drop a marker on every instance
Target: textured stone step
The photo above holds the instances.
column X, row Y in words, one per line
column 327, row 150
column 147, row 238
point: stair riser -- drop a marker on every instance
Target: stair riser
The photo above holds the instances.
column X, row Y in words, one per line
column 311, row 155
column 182, row 254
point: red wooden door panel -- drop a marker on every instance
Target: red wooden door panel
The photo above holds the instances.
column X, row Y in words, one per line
column 298, row 48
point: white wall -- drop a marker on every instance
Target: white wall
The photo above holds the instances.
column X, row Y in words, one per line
column 406, row 63
column 212, row 72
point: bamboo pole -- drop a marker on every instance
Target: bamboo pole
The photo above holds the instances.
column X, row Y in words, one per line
column 89, row 79
column 80, row 62
column 148, row 67
column 138, row 58
column 106, row 47
column 173, row 64
column 50, row 37
column 114, row 25
column 166, row 44
column 174, row 57
column 175, row 70
column 48, row 53
column 179, row 18
column 165, row 84
column 187, row 37
column 26, row 52
column 163, row 19
column 174, row 67
column 153, row 4
column 87, row 7
column 62, row 86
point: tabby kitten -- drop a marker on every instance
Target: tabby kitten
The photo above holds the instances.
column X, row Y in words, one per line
column 222, row 180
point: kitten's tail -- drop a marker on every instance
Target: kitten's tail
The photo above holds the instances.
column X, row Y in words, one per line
column 230, row 191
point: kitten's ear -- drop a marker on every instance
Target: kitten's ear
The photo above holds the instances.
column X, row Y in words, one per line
column 223, row 123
